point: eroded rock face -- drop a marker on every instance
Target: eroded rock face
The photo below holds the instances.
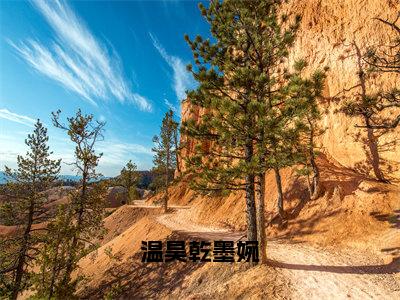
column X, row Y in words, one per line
column 327, row 37
column 329, row 32
column 117, row 196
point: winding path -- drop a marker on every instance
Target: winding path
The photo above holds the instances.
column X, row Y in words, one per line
column 313, row 273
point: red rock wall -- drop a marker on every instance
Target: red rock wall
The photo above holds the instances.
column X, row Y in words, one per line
column 327, row 31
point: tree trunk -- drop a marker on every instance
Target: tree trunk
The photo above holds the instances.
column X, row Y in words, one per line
column 18, row 274
column 309, row 186
column 250, row 203
column 251, row 210
column 54, row 269
column 374, row 152
column 281, row 211
column 260, row 196
column 22, row 255
column 166, row 198
column 165, row 202
column 315, row 181
column 315, row 184
column 178, row 168
column 70, row 263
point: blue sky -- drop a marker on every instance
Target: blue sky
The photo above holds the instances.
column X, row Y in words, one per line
column 122, row 61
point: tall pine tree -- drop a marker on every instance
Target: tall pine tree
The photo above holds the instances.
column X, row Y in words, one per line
column 306, row 91
column 129, row 178
column 85, row 211
column 239, row 77
column 25, row 207
column 165, row 158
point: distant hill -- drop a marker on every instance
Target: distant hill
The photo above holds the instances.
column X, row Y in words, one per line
column 146, row 178
column 3, row 178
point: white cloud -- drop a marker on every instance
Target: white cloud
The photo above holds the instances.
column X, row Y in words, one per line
column 115, row 153
column 78, row 60
column 8, row 115
column 183, row 80
column 52, row 66
column 170, row 105
column 13, row 145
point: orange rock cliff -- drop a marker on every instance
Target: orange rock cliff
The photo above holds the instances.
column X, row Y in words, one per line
column 326, row 38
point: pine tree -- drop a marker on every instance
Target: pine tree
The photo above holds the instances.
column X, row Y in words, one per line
column 274, row 149
column 80, row 222
column 165, row 153
column 280, row 135
column 239, row 77
column 313, row 89
column 53, row 255
column 177, row 147
column 129, row 178
column 25, row 207
column 282, row 154
column 306, row 92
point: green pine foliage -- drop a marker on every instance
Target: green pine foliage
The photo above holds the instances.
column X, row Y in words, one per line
column 165, row 158
column 78, row 223
column 54, row 254
column 304, row 93
column 240, row 78
column 25, row 207
column 129, row 178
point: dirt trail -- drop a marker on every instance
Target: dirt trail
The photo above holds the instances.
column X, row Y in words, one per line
column 321, row 274
column 314, row 273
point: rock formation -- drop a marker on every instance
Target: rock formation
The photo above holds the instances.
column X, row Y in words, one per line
column 329, row 31
column 116, row 196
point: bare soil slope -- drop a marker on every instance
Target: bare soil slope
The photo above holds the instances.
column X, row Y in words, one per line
column 127, row 276
column 123, row 218
column 296, row 270
column 352, row 210
column 314, row 273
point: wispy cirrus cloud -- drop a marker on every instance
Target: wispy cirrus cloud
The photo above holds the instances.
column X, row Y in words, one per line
column 115, row 152
column 182, row 79
column 118, row 147
column 76, row 59
column 170, row 105
column 8, row 115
